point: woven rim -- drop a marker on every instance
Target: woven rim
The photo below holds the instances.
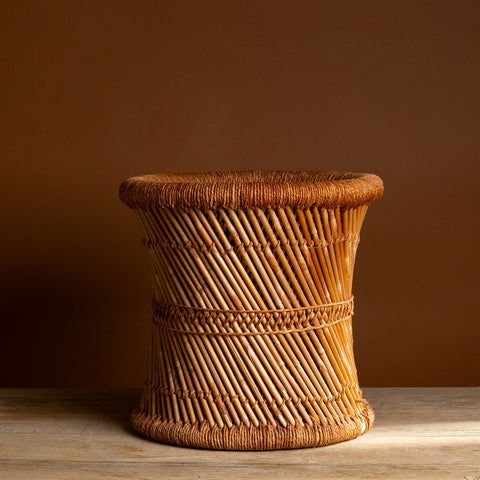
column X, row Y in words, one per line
column 249, row 189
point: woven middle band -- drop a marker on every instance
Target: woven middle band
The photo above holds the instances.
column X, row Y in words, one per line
column 201, row 321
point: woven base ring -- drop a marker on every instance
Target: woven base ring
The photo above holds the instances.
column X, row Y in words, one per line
column 251, row 438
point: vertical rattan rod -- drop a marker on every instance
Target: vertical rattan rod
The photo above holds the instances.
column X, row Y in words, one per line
column 267, row 348
column 234, row 302
column 270, row 275
column 204, row 273
column 286, row 354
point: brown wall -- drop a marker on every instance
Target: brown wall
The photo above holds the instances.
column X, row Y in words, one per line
column 94, row 92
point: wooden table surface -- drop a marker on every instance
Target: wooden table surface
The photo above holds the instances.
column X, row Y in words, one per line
column 85, row 434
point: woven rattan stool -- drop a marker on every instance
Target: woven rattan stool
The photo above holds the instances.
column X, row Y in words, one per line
column 252, row 307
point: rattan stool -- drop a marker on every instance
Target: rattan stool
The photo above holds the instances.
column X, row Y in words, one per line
column 252, row 307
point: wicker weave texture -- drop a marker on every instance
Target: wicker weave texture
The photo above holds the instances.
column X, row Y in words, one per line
column 241, row 190
column 252, row 344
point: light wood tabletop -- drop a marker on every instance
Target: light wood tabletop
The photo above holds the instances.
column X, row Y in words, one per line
column 430, row 433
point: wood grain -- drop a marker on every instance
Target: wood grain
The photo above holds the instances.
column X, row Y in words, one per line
column 85, row 434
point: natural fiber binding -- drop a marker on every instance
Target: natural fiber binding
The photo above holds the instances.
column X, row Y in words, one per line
column 252, row 345
column 183, row 319
column 245, row 438
column 251, row 189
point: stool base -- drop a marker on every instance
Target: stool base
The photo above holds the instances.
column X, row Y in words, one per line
column 252, row 438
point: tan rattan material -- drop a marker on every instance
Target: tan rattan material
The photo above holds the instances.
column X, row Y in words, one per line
column 252, row 344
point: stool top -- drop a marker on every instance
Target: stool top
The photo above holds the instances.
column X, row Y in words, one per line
column 250, row 189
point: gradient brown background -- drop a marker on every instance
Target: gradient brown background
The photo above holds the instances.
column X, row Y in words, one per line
column 94, row 92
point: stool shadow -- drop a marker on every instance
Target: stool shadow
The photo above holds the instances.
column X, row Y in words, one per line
column 105, row 410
